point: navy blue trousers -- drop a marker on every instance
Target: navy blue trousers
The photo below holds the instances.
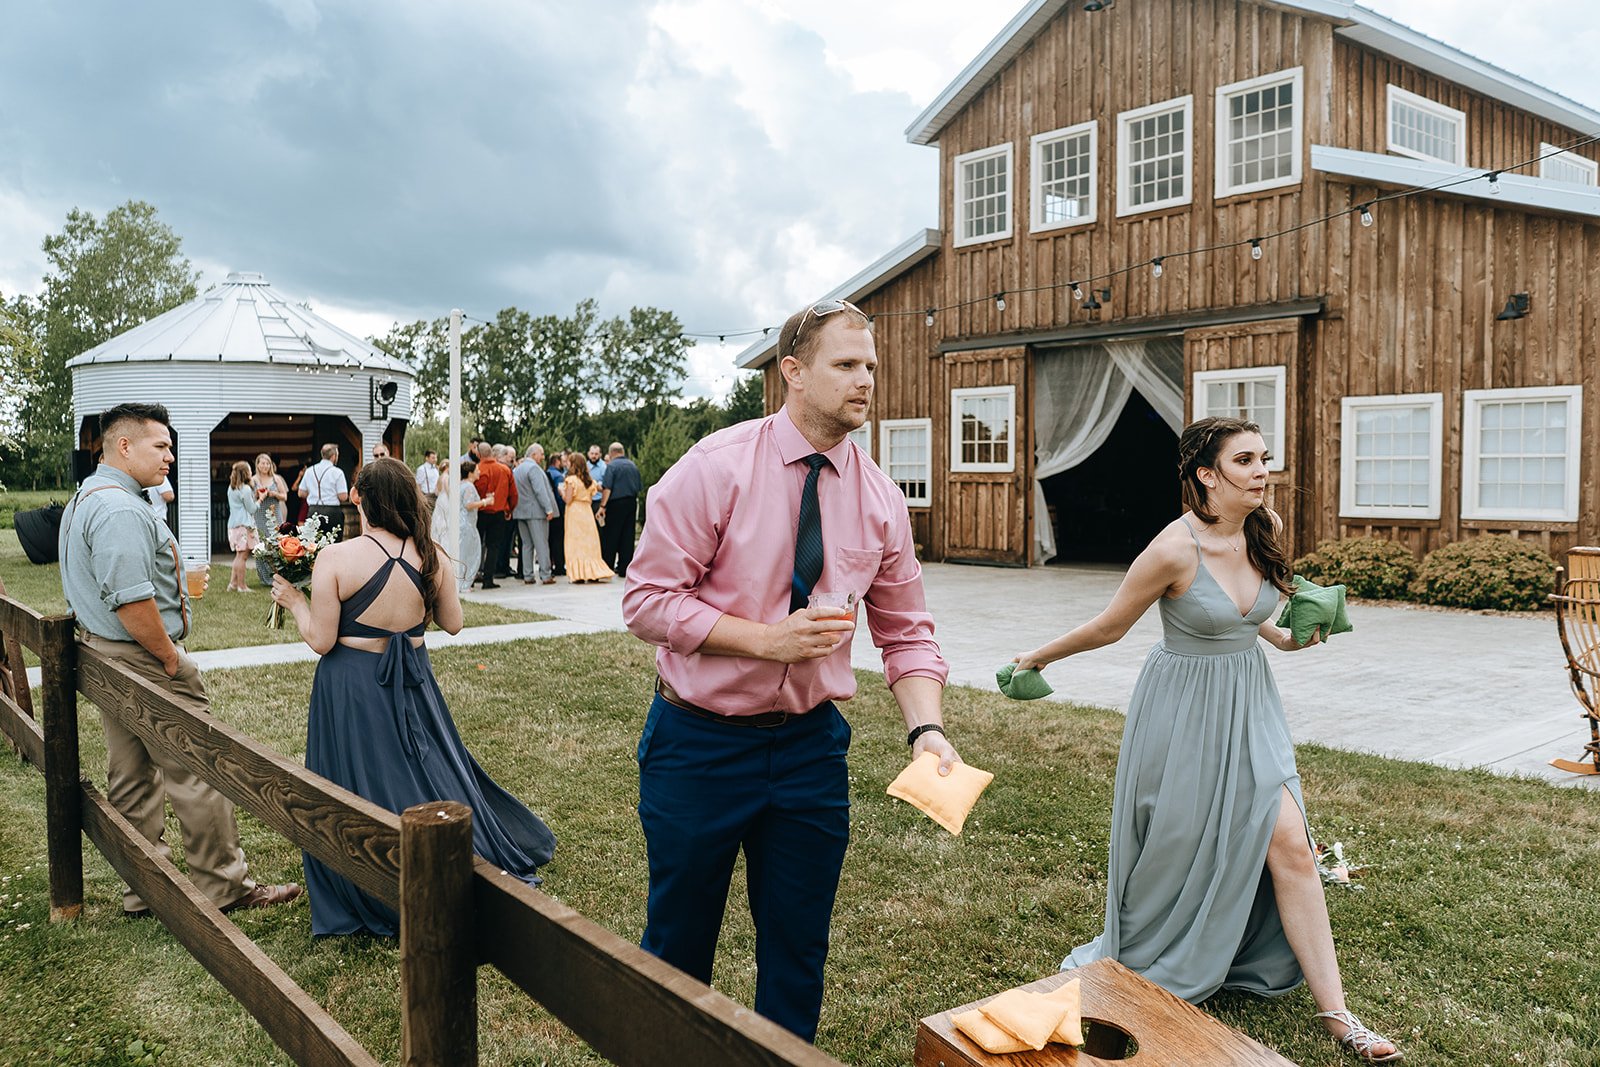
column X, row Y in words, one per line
column 706, row 790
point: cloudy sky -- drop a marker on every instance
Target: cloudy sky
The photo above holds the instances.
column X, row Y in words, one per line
column 726, row 159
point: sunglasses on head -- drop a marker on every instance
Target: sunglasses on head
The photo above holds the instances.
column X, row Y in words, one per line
column 820, row 310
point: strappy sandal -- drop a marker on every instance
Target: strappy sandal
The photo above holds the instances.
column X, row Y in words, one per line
column 1360, row 1040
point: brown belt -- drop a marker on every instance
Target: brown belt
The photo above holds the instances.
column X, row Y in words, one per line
column 763, row 720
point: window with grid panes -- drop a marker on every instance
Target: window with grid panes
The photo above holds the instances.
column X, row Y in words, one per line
column 907, row 458
column 1567, row 167
column 1391, row 456
column 862, row 436
column 1153, row 152
column 1064, row 174
column 1424, row 129
column 1258, row 133
column 981, row 427
column 1522, row 454
column 983, row 195
column 1255, row 395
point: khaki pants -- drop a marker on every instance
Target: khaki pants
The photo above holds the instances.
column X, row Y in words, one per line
column 139, row 782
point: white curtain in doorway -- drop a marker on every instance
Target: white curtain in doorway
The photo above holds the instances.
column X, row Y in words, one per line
column 1078, row 394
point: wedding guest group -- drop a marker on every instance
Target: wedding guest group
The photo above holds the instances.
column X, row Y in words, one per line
column 744, row 746
column 123, row 579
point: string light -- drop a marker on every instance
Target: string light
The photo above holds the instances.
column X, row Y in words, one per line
column 1363, row 210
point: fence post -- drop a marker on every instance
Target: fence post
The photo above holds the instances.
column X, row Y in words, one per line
column 63, row 802
column 438, row 972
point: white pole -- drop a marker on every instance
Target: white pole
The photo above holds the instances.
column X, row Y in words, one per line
column 453, row 490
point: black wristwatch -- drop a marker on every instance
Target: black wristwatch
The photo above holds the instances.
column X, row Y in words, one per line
column 927, row 727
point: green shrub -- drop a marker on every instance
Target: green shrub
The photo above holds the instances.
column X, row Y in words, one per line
column 1366, row 566
column 15, row 500
column 1493, row 571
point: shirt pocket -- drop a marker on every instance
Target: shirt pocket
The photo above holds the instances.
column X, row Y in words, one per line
column 853, row 571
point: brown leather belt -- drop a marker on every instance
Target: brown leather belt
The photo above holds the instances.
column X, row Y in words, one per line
column 762, row 720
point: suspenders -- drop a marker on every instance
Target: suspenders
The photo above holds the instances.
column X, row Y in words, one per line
column 177, row 563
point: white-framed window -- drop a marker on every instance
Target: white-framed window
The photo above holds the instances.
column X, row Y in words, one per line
column 1560, row 165
column 1423, row 129
column 983, row 428
column 1064, row 176
column 983, row 195
column 1520, row 453
column 1255, row 394
column 1258, row 133
column 907, row 458
column 1155, row 146
column 1391, row 456
column 862, row 436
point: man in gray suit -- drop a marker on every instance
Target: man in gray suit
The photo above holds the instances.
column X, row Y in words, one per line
column 536, row 506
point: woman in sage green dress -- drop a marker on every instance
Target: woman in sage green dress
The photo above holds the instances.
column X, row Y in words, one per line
column 1212, row 882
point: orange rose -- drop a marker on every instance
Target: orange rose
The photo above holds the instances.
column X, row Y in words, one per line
column 291, row 547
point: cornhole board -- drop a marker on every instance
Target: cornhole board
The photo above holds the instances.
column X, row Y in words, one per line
column 1169, row 1032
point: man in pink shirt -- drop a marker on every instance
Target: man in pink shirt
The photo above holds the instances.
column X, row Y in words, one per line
column 744, row 745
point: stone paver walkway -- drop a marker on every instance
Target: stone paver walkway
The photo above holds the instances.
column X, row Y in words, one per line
column 1450, row 688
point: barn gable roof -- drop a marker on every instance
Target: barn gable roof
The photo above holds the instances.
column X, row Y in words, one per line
column 1356, row 23
column 242, row 320
column 908, row 254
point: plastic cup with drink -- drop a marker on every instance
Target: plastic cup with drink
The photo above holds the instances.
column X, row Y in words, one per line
column 837, row 605
column 197, row 572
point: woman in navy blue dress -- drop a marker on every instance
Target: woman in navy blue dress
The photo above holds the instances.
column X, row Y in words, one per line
column 379, row 726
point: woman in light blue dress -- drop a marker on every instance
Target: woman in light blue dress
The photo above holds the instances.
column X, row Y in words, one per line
column 1212, row 882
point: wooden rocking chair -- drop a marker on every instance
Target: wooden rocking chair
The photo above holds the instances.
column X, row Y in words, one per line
column 1577, row 603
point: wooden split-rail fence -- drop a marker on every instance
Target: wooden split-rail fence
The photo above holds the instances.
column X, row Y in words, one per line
column 457, row 912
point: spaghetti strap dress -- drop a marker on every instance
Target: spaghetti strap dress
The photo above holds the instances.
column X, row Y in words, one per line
column 1205, row 759
column 380, row 728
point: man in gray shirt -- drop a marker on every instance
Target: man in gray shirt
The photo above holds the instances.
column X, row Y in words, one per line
column 620, row 487
column 123, row 579
column 536, row 506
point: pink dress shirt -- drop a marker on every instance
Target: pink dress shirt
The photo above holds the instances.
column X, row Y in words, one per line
column 719, row 539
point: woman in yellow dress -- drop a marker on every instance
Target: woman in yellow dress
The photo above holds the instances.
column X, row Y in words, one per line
column 582, row 535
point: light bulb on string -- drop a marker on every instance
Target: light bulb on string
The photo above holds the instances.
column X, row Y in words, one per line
column 928, row 318
column 1366, row 215
column 1155, row 267
column 1494, row 183
column 999, row 301
column 722, row 343
column 1077, row 291
column 1255, row 248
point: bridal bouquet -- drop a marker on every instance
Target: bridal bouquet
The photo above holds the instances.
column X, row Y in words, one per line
column 292, row 551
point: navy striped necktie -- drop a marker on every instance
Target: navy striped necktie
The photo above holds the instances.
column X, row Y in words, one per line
column 808, row 538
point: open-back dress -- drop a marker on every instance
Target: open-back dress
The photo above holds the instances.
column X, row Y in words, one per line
column 380, row 728
column 1205, row 759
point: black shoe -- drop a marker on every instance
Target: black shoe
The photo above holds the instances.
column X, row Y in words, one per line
column 489, row 585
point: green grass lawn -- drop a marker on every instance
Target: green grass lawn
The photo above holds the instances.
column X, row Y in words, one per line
column 1473, row 940
column 221, row 619
column 15, row 500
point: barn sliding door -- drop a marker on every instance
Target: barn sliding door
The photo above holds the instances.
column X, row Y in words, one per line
column 987, row 456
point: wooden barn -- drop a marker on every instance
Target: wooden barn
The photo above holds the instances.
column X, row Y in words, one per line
column 1419, row 362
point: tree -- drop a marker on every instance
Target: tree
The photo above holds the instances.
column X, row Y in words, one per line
column 748, row 400
column 106, row 276
column 20, row 349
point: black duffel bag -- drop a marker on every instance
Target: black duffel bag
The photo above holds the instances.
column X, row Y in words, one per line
column 39, row 530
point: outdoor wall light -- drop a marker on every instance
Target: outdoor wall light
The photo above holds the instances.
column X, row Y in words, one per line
column 1096, row 297
column 1099, row 5
column 380, row 394
column 1517, row 305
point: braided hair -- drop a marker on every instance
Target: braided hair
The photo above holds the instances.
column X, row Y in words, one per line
column 1199, row 446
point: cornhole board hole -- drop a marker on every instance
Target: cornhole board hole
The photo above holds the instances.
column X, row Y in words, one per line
column 1126, row 1019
